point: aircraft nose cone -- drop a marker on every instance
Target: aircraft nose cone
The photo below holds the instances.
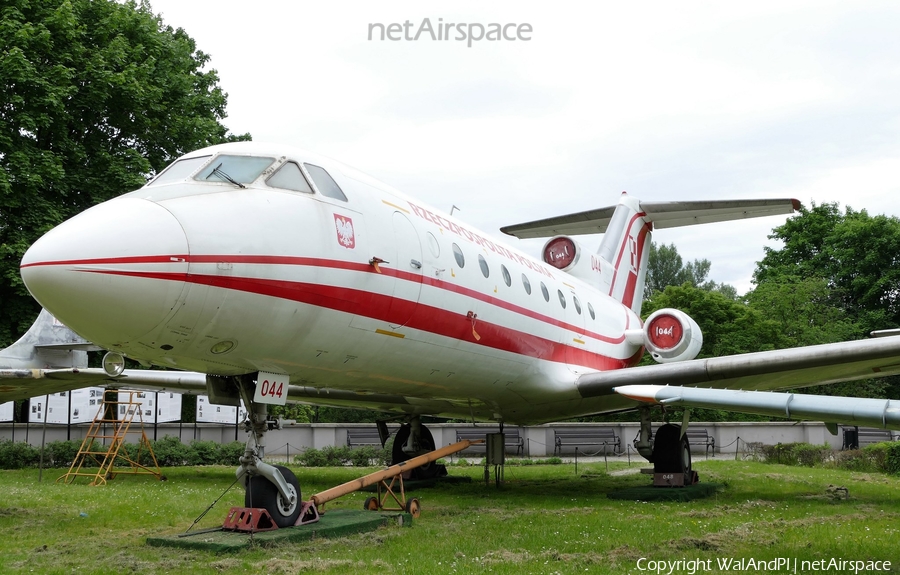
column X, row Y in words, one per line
column 112, row 273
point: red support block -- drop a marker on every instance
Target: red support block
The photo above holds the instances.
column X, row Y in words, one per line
column 249, row 520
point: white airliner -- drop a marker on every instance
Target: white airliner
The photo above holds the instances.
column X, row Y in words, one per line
column 274, row 274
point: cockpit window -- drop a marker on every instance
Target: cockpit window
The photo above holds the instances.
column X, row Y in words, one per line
column 326, row 185
column 180, row 170
column 289, row 177
column 239, row 169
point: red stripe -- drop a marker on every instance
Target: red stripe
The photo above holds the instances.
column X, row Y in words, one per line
column 612, row 287
column 115, row 260
column 628, row 297
column 382, row 307
column 352, row 266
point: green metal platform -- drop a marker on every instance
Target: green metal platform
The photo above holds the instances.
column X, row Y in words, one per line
column 334, row 523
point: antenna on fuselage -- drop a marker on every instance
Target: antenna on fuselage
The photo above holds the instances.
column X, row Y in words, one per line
column 453, row 207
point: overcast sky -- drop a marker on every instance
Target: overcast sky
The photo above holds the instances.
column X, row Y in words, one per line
column 666, row 101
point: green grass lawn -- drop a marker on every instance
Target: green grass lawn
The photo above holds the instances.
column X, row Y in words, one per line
column 546, row 519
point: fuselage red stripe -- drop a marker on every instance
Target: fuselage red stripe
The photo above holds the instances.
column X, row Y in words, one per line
column 351, row 266
column 386, row 308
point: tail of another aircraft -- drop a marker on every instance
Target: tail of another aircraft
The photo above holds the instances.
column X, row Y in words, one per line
column 48, row 344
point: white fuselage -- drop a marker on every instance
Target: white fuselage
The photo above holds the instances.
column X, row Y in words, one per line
column 361, row 302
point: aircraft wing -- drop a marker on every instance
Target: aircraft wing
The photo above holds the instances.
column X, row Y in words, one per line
column 768, row 370
column 882, row 413
column 25, row 383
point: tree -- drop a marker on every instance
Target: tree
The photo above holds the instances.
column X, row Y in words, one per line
column 665, row 267
column 95, row 97
column 805, row 312
column 855, row 254
column 728, row 326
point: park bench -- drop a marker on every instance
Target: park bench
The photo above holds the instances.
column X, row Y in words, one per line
column 512, row 439
column 865, row 436
column 360, row 436
column 700, row 436
column 593, row 437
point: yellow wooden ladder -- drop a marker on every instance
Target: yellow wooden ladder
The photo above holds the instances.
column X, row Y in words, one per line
column 95, row 451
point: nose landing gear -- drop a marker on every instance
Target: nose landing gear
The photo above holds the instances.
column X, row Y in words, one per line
column 271, row 487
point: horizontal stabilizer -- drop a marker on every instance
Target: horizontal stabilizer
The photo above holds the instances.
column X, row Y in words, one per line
column 662, row 214
column 882, row 413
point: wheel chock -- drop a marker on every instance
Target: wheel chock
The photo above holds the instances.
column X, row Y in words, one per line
column 249, row 520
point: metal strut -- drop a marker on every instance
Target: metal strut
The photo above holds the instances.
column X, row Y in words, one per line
column 252, row 460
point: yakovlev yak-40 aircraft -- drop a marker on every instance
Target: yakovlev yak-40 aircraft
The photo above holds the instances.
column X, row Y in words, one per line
column 274, row 274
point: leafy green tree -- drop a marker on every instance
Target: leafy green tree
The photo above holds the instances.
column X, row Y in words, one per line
column 805, row 312
column 96, row 96
column 666, row 267
column 855, row 254
column 728, row 326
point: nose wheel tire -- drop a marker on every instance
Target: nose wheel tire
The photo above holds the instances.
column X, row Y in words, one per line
column 263, row 493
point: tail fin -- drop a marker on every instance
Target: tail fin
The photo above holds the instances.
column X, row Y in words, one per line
column 623, row 253
column 48, row 344
column 626, row 228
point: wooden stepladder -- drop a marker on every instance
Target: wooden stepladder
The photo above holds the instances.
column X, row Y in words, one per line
column 105, row 450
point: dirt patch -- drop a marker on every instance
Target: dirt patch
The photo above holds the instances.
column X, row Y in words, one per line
column 506, row 557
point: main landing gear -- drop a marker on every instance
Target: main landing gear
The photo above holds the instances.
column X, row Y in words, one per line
column 414, row 439
column 669, row 451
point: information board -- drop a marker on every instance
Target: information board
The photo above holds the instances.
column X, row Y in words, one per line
column 212, row 413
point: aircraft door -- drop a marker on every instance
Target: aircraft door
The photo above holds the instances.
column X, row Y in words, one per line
column 408, row 269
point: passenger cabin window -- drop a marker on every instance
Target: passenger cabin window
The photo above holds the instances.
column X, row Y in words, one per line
column 460, row 258
column 241, row 169
column 526, row 284
column 507, row 279
column 577, row 304
column 289, row 177
column 325, row 184
column 591, row 311
column 482, row 263
column 180, row 170
column 545, row 292
column 562, row 298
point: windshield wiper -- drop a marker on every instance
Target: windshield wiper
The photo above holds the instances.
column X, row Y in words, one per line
column 221, row 174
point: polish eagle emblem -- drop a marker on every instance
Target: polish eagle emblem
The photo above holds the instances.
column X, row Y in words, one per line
column 345, row 235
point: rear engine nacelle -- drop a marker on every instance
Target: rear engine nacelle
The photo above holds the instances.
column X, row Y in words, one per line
column 561, row 252
column 565, row 254
column 671, row 335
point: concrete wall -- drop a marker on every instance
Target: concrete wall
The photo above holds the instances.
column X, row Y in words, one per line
column 538, row 440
